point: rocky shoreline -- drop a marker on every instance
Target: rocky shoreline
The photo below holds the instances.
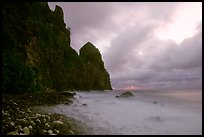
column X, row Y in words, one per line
column 19, row 117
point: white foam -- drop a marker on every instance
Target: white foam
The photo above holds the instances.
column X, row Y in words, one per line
column 105, row 114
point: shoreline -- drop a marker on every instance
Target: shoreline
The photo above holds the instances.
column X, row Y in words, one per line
column 20, row 118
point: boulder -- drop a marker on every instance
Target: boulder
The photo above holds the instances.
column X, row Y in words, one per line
column 155, row 102
column 125, row 94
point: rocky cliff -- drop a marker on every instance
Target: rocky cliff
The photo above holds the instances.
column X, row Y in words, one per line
column 36, row 52
column 93, row 68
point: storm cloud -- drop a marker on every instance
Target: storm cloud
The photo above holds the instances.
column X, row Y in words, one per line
column 146, row 45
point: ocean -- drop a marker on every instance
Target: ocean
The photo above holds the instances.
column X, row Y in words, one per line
column 148, row 112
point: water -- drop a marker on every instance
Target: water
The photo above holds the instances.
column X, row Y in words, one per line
column 148, row 112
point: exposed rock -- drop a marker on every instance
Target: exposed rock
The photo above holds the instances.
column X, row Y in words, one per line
column 95, row 76
column 84, row 104
column 125, row 94
column 158, row 118
column 155, row 102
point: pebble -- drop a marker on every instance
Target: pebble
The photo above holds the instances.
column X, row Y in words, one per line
column 22, row 120
column 12, row 133
column 14, row 103
column 19, row 128
column 21, row 112
column 58, row 122
column 26, row 131
column 28, row 110
column 32, row 122
column 30, row 127
column 71, row 132
column 56, row 131
column 38, row 115
column 38, row 121
column 48, row 117
column 12, row 124
column 50, row 132
column 47, row 125
column 44, row 120
column 44, row 131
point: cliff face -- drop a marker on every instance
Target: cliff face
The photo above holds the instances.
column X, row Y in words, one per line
column 36, row 52
column 95, row 75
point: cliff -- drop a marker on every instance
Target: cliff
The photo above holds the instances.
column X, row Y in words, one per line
column 36, row 52
column 94, row 73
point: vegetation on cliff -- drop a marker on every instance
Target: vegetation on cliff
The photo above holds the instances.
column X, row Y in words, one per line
column 36, row 52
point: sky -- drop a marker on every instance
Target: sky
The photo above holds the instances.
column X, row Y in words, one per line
column 144, row 45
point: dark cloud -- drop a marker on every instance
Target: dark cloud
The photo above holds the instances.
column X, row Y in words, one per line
column 122, row 46
column 133, row 55
column 167, row 65
column 86, row 19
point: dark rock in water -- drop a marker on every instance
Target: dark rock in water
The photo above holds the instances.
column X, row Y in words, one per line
column 155, row 102
column 84, row 104
column 117, row 96
column 68, row 93
column 156, row 118
column 125, row 94
column 68, row 102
